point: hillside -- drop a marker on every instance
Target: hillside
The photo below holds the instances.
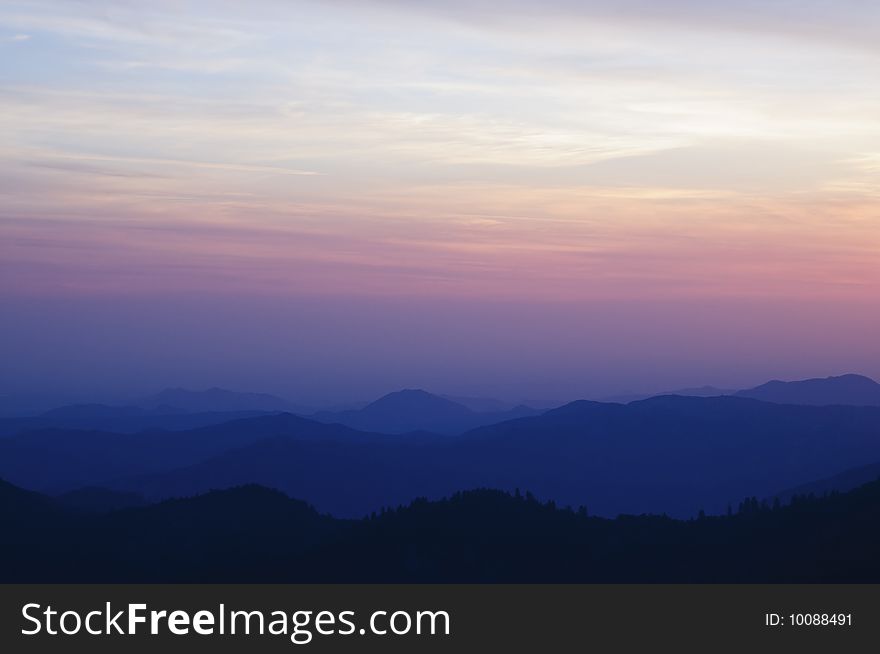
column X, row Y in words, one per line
column 252, row 534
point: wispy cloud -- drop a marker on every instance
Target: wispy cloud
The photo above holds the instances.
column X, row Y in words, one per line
column 846, row 23
column 180, row 163
column 473, row 148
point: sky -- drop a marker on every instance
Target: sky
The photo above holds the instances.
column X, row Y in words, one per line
column 332, row 200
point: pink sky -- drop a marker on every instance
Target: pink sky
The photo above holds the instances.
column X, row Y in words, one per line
column 705, row 178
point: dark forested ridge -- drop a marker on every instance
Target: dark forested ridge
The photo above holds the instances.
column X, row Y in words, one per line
column 140, row 507
column 255, row 534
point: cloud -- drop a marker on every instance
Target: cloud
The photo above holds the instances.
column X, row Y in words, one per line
column 127, row 23
column 849, row 23
column 472, row 147
column 183, row 163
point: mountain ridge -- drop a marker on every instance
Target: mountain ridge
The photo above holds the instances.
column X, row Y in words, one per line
column 255, row 534
column 217, row 399
column 413, row 410
column 849, row 389
column 672, row 454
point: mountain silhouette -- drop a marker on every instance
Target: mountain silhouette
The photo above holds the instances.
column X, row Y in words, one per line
column 180, row 538
column 841, row 482
column 855, row 390
column 413, row 410
column 702, row 391
column 218, row 399
column 122, row 419
column 254, row 534
column 668, row 454
column 58, row 460
column 480, row 404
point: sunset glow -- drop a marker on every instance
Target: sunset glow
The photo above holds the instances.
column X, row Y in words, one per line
column 721, row 157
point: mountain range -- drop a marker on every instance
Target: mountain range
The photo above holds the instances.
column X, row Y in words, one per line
column 850, row 389
column 667, row 454
column 254, row 534
column 122, row 419
column 673, row 454
column 217, row 400
column 702, row 391
column 856, row 390
column 414, row 410
column 666, row 489
column 57, row 460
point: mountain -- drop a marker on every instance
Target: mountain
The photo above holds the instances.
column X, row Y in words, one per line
column 242, row 530
column 668, row 454
column 217, row 399
column 487, row 536
column 855, row 390
column 480, row 404
column 122, row 419
column 702, row 391
column 401, row 412
column 414, row 410
column 254, row 534
column 346, row 479
column 841, row 482
column 58, row 460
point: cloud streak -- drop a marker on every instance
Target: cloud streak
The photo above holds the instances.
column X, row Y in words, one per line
column 698, row 148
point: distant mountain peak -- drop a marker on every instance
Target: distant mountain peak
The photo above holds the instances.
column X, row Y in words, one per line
column 701, row 391
column 415, row 399
column 848, row 378
column 480, row 404
column 413, row 410
column 410, row 392
column 848, row 389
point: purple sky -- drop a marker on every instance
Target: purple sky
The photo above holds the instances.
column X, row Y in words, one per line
column 319, row 349
column 332, row 200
